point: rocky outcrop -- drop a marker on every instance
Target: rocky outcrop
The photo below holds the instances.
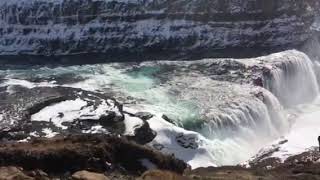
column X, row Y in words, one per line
column 48, row 111
column 77, row 152
column 152, row 29
column 11, row 173
column 86, row 175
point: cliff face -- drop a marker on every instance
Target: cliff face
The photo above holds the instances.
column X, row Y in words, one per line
column 161, row 28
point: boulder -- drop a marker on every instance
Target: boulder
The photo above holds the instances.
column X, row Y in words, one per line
column 86, row 175
column 162, row 175
column 13, row 173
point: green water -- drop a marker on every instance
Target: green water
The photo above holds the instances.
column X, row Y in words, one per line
column 142, row 83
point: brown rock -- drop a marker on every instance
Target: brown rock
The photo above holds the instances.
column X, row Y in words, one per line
column 162, row 175
column 86, row 175
column 73, row 153
column 13, row 173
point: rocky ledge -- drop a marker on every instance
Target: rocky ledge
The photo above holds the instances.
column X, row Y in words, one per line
column 62, row 156
column 101, row 157
column 151, row 29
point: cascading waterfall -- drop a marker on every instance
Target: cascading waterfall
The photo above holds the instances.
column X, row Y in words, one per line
column 232, row 116
column 245, row 128
column 227, row 108
column 312, row 47
column 293, row 81
column 228, row 115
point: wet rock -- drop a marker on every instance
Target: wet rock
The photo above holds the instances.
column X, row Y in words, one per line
column 143, row 134
column 144, row 115
column 257, row 81
column 110, row 118
column 187, row 142
column 165, row 117
column 86, row 175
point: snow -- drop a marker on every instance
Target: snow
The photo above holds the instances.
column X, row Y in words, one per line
column 127, row 34
column 131, row 124
column 166, row 139
column 96, row 129
column 71, row 110
column 34, row 134
column 49, row 133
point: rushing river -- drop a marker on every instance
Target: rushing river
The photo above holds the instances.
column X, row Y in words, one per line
column 228, row 119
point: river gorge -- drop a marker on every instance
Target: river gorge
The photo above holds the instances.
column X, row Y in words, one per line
column 212, row 83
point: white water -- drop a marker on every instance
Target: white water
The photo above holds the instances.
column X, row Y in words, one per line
column 223, row 117
column 303, row 134
column 293, row 80
column 229, row 116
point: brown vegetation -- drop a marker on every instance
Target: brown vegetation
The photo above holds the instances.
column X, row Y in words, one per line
column 78, row 152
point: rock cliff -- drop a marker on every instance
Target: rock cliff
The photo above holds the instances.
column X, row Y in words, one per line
column 142, row 29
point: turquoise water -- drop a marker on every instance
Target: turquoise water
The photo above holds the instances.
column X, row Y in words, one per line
column 140, row 83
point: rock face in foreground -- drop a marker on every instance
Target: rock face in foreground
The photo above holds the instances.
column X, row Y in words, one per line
column 158, row 29
column 300, row 167
column 96, row 152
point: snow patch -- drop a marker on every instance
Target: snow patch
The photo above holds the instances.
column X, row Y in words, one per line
column 131, row 124
column 70, row 110
column 96, row 129
column 166, row 142
column 49, row 133
column 65, row 111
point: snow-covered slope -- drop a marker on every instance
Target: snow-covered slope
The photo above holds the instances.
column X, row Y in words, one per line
column 156, row 28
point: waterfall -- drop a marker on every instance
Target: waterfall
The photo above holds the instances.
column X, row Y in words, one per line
column 226, row 115
column 248, row 118
column 292, row 79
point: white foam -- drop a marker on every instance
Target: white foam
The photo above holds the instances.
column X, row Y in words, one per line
column 26, row 84
column 302, row 136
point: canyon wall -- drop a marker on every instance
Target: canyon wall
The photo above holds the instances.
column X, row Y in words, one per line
column 153, row 29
